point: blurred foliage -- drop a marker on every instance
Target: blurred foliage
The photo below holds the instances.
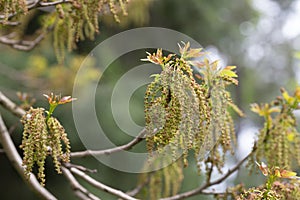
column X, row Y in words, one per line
column 161, row 183
column 60, row 77
column 138, row 15
column 297, row 55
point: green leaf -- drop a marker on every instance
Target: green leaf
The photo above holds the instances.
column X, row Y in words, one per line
column 227, row 71
column 289, row 99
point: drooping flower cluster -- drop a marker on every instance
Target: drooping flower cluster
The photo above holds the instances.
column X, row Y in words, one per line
column 70, row 21
column 279, row 141
column 183, row 113
column 163, row 182
column 80, row 20
column 35, row 141
column 44, row 136
column 57, row 135
column 12, row 6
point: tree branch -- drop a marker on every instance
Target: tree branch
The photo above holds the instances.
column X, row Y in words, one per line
column 53, row 3
column 23, row 45
column 100, row 185
column 9, row 23
column 201, row 189
column 12, row 107
column 127, row 146
column 16, row 161
column 136, row 190
column 80, row 167
column 80, row 191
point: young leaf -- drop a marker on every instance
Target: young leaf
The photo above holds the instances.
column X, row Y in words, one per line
column 227, row 71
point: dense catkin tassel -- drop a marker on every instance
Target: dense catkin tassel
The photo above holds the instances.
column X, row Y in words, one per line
column 34, row 142
column 57, row 135
column 196, row 112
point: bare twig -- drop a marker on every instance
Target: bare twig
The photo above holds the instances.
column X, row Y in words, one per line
column 80, row 191
column 80, row 167
column 100, row 185
column 136, row 190
column 209, row 173
column 9, row 23
column 9, row 105
column 201, row 189
column 213, row 193
column 24, row 45
column 53, row 3
column 127, row 146
column 16, row 161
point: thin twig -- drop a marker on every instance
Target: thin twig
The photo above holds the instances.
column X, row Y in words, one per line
column 80, row 167
column 8, row 23
column 210, row 170
column 23, row 45
column 136, row 190
column 53, row 3
column 127, row 146
column 80, row 191
column 100, row 185
column 213, row 193
column 16, row 161
column 12, row 107
column 201, row 189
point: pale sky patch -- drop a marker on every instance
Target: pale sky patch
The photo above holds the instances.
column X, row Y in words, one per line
column 291, row 28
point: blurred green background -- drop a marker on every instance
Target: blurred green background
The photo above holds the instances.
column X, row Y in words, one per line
column 260, row 37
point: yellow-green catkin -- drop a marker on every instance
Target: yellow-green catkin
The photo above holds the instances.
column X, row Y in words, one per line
column 34, row 142
column 278, row 141
column 10, row 7
column 57, row 138
column 42, row 137
column 183, row 113
column 79, row 20
column 163, row 182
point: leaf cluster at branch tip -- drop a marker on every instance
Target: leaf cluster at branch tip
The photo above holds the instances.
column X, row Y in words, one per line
column 279, row 140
